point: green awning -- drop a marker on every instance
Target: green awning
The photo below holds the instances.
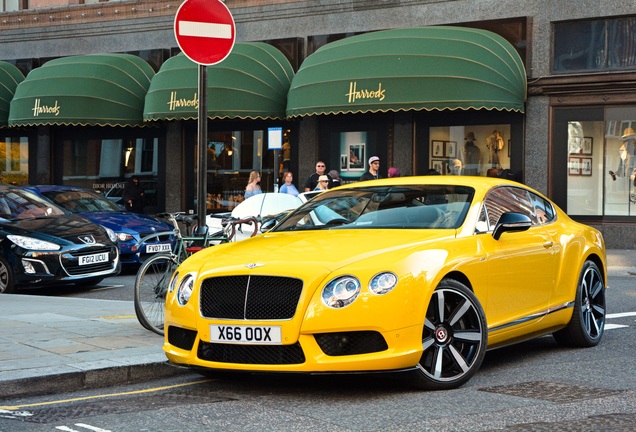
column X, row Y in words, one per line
column 95, row 89
column 426, row 68
column 10, row 77
column 251, row 83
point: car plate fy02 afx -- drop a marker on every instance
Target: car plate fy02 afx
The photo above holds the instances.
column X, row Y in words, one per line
column 258, row 335
column 93, row 259
column 154, row 248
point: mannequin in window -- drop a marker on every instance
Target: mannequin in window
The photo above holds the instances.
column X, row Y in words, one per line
column 626, row 153
column 471, row 156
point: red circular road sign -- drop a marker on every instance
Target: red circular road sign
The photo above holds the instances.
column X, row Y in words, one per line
column 204, row 30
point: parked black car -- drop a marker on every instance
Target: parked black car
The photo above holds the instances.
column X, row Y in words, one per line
column 40, row 244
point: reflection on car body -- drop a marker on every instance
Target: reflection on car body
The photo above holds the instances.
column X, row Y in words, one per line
column 410, row 275
column 40, row 244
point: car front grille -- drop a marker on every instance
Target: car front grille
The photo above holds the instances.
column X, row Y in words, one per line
column 350, row 343
column 72, row 267
column 251, row 354
column 250, row 297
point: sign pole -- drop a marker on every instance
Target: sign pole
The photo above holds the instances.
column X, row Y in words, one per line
column 202, row 182
column 205, row 32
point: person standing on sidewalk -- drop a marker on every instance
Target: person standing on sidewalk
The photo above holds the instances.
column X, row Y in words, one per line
column 372, row 173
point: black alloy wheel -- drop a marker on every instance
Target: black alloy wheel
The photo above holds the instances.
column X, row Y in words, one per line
column 454, row 338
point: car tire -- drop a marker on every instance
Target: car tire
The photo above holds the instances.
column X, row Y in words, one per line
column 454, row 338
column 587, row 324
column 7, row 285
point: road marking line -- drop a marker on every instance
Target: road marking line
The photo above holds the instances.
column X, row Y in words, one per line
column 614, row 326
column 620, row 315
column 101, row 396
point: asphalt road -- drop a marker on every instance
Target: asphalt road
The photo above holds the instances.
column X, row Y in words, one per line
column 532, row 386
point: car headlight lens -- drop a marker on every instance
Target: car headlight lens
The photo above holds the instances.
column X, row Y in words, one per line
column 33, row 243
column 173, row 281
column 185, row 289
column 341, row 292
column 111, row 234
column 124, row 237
column 383, row 283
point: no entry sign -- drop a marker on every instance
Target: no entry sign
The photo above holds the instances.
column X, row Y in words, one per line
column 204, row 30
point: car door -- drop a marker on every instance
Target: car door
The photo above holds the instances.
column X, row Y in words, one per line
column 521, row 265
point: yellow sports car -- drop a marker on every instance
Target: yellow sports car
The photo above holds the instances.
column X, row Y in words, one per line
column 417, row 275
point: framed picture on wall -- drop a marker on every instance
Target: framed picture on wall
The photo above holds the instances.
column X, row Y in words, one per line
column 344, row 162
column 437, row 149
column 574, row 166
column 356, row 157
column 586, row 146
column 586, row 166
column 451, row 149
column 439, row 165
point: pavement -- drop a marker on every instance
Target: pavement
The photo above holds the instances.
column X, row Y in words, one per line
column 56, row 344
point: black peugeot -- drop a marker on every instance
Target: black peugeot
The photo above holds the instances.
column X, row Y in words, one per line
column 41, row 244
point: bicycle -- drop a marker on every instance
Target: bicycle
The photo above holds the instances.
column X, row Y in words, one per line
column 153, row 277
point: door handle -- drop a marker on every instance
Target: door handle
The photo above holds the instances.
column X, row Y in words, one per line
column 548, row 244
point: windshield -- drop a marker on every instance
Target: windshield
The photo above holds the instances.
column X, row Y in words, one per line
column 81, row 201
column 21, row 204
column 404, row 207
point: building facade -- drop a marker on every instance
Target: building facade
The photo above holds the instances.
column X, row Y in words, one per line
column 570, row 138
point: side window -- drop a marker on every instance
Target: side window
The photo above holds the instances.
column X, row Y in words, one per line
column 507, row 199
column 543, row 209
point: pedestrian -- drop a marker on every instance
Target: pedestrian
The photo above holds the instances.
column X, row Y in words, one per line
column 253, row 185
column 133, row 196
column 335, row 179
column 312, row 180
column 288, row 187
column 323, row 183
column 394, row 172
column 372, row 173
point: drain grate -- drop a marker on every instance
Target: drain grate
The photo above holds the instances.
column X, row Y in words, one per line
column 605, row 422
column 119, row 405
column 553, row 392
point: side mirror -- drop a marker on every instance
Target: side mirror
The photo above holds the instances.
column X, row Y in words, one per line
column 511, row 222
column 268, row 225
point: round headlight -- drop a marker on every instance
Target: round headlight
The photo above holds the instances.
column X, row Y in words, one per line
column 173, row 281
column 341, row 292
column 383, row 283
column 124, row 237
column 185, row 289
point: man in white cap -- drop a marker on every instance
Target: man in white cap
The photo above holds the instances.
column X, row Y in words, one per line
column 374, row 166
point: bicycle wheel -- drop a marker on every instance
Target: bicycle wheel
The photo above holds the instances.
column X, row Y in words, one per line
column 151, row 286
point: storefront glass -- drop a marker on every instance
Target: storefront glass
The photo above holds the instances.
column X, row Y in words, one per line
column 107, row 164
column 232, row 155
column 479, row 150
column 600, row 165
column 14, row 156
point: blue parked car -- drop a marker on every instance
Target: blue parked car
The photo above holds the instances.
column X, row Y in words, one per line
column 129, row 227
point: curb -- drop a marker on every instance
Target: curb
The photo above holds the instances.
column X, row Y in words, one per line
column 90, row 379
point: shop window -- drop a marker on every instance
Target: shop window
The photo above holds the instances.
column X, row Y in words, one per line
column 482, row 150
column 602, row 44
column 231, row 156
column 600, row 164
column 14, row 154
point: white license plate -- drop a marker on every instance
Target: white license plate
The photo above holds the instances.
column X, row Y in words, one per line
column 154, row 248
column 93, row 259
column 257, row 335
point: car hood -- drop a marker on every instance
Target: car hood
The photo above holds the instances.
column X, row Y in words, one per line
column 71, row 228
column 127, row 221
column 288, row 253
